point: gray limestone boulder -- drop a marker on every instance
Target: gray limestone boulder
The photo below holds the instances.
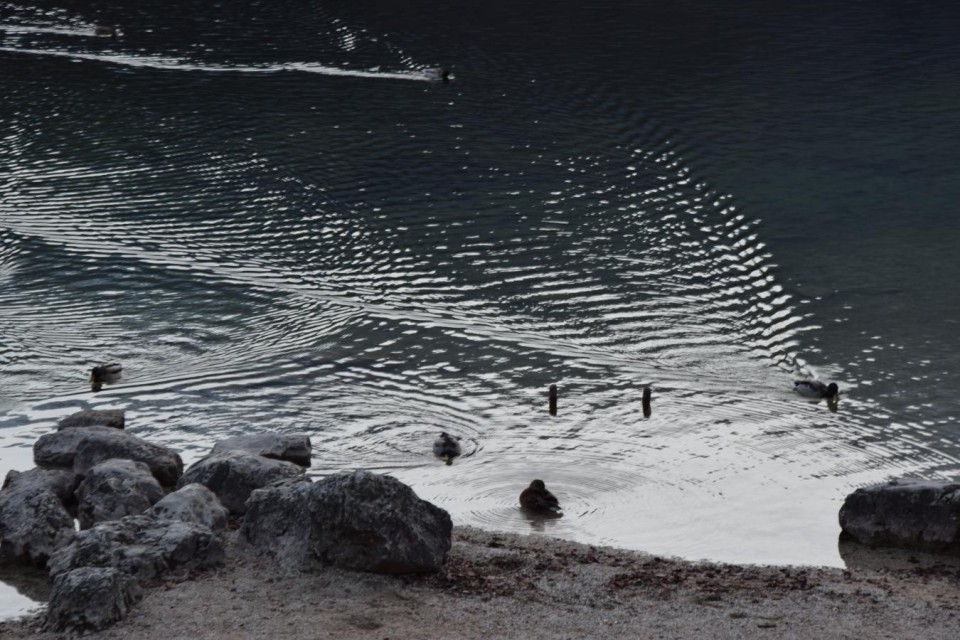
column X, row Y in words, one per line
column 145, row 547
column 233, row 475
column 114, row 489
column 92, row 418
column 83, row 449
column 34, row 519
column 918, row 514
column 279, row 446
column 193, row 503
column 90, row 599
column 358, row 520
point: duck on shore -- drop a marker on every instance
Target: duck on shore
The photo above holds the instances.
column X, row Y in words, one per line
column 446, row 447
column 816, row 389
column 107, row 373
column 537, row 498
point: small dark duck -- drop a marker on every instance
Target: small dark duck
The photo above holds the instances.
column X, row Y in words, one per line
column 446, row 447
column 816, row 389
column 538, row 499
column 104, row 31
column 104, row 374
column 438, row 75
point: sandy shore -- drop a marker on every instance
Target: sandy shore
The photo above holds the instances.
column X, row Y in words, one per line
column 509, row 586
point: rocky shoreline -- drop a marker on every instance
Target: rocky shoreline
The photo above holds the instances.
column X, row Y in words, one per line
column 243, row 544
column 508, row 585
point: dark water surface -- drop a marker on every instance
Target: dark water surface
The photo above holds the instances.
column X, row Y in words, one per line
column 275, row 221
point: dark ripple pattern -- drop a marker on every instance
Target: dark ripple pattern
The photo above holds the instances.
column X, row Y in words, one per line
column 282, row 233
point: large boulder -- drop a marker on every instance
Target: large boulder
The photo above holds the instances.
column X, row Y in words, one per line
column 83, row 449
column 93, row 417
column 910, row 513
column 33, row 517
column 233, row 475
column 145, row 547
column 62, row 482
column 114, row 489
column 193, row 503
column 57, row 450
column 90, row 599
column 292, row 448
column 358, row 520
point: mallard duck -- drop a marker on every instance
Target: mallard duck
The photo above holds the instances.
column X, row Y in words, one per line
column 438, row 75
column 446, row 447
column 536, row 497
column 816, row 389
column 104, row 374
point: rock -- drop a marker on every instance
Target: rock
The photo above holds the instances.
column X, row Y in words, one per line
column 33, row 523
column 90, row 598
column 232, row 475
column 61, row 482
column 292, row 448
column 83, row 449
column 114, row 489
column 145, row 547
column 57, row 450
column 35, row 513
column 279, row 523
column 93, row 417
column 164, row 463
column 193, row 503
column 358, row 520
column 910, row 513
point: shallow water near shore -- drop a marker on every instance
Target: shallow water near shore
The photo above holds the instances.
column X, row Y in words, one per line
column 276, row 221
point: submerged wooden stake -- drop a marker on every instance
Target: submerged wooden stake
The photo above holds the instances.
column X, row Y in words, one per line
column 553, row 399
column 646, row 402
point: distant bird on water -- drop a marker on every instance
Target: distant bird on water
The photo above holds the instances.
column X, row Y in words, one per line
column 446, row 447
column 816, row 389
column 537, row 498
column 104, row 31
column 104, row 374
column 438, row 75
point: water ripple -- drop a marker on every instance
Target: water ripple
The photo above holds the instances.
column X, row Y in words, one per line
column 371, row 263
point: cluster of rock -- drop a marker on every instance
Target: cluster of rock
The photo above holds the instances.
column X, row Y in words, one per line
column 914, row 514
column 108, row 514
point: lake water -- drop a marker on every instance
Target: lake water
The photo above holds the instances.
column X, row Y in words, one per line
column 274, row 219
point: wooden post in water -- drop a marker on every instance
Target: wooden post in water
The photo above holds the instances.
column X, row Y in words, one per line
column 553, row 399
column 646, row 402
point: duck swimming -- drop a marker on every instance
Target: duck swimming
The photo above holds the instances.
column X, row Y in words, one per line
column 537, row 498
column 104, row 374
column 438, row 75
column 446, row 447
column 104, row 31
column 816, row 389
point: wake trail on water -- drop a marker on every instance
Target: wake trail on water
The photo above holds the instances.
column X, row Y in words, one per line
column 174, row 64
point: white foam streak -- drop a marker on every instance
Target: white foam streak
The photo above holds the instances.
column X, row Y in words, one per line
column 175, row 64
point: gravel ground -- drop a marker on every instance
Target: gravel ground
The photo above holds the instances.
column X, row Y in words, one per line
column 509, row 586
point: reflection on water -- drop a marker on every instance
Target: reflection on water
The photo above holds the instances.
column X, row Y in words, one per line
column 21, row 590
column 373, row 262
